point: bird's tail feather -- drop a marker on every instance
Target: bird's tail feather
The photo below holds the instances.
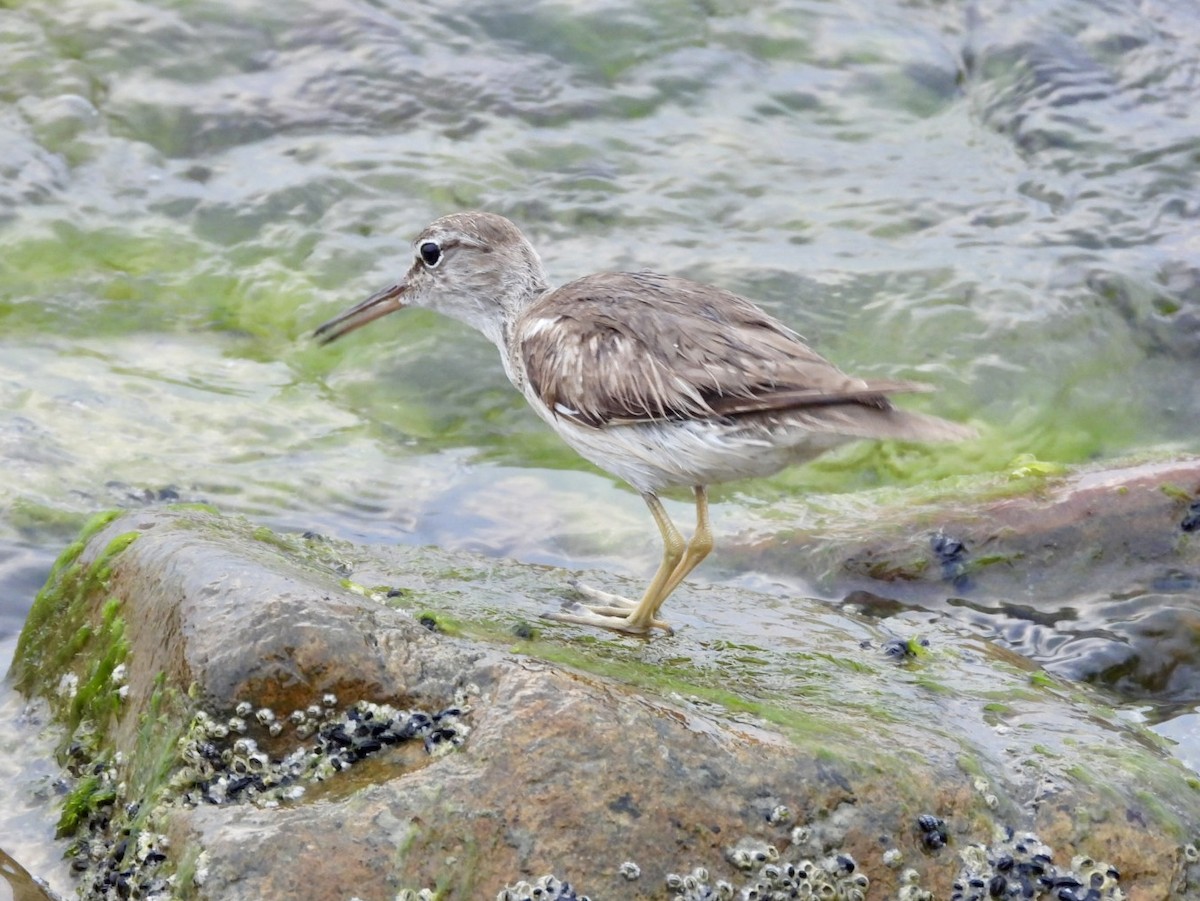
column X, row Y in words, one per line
column 857, row 421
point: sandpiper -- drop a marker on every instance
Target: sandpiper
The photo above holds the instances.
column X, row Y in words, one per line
column 661, row 381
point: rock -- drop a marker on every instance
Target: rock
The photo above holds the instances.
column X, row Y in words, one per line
column 17, row 884
column 1039, row 535
column 1094, row 572
column 245, row 722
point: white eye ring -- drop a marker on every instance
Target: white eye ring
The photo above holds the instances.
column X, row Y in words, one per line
column 430, row 253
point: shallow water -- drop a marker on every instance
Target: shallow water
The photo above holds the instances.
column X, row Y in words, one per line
column 998, row 198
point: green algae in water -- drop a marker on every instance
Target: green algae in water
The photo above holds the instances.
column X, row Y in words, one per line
column 354, row 587
column 67, row 651
column 1176, row 493
column 34, row 520
column 684, row 679
column 1026, row 466
column 267, row 536
column 435, row 621
column 109, row 784
column 65, row 586
column 89, row 794
column 97, row 697
column 160, row 728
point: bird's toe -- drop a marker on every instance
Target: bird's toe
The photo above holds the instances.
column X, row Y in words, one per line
column 615, row 619
column 603, row 598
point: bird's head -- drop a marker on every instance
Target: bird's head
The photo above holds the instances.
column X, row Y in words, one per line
column 476, row 267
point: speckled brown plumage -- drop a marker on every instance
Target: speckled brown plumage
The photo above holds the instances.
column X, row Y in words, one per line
column 627, row 347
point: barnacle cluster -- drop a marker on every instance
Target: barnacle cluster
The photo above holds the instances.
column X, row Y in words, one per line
column 835, row 876
column 1021, row 866
column 809, row 866
column 547, row 888
column 695, row 886
column 117, row 852
column 223, row 765
column 1014, row 866
column 111, row 858
column 748, row 853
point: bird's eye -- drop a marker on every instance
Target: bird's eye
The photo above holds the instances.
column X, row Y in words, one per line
column 431, row 253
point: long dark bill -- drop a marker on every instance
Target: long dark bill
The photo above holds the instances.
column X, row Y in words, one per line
column 378, row 304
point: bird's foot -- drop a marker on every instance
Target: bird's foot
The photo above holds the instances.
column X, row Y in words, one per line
column 602, row 597
column 611, row 611
column 616, row 619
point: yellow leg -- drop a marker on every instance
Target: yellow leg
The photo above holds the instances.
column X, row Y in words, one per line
column 697, row 549
column 674, row 551
column 678, row 560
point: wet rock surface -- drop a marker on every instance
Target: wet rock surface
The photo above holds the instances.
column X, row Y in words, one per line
column 246, row 721
column 1039, row 536
column 1094, row 573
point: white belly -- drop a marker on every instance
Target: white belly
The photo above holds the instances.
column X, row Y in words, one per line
column 680, row 454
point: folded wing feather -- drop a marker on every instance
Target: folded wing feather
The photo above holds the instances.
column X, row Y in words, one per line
column 622, row 348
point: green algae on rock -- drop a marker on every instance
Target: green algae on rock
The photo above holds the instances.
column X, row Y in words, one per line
column 68, row 650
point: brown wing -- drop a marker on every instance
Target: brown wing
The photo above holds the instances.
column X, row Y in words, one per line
column 618, row 348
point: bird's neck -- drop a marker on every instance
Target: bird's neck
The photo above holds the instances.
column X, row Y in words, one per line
column 494, row 302
column 506, row 327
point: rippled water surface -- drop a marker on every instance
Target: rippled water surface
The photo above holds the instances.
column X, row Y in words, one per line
column 999, row 198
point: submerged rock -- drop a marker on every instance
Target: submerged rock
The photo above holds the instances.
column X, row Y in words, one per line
column 1036, row 536
column 245, row 722
column 1094, row 572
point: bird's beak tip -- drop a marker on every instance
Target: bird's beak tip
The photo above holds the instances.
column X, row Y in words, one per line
column 378, row 304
